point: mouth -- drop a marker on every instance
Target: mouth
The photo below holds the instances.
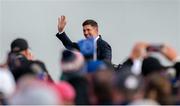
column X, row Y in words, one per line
column 87, row 36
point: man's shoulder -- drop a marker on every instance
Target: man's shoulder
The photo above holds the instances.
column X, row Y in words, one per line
column 102, row 42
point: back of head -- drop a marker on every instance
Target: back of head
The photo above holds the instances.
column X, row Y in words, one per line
column 39, row 68
column 151, row 65
column 158, row 88
column 22, row 71
column 16, row 60
column 21, row 68
column 30, row 91
column 71, row 61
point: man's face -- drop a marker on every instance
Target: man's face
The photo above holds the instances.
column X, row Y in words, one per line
column 90, row 31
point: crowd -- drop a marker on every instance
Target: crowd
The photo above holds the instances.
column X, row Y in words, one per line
column 88, row 75
column 141, row 79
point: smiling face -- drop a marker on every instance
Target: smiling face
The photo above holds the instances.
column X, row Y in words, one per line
column 90, row 28
column 90, row 31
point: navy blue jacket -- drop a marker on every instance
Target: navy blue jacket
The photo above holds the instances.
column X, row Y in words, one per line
column 104, row 51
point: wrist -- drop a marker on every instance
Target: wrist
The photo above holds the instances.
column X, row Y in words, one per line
column 60, row 32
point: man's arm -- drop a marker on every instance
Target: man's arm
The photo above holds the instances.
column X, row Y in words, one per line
column 61, row 35
column 68, row 44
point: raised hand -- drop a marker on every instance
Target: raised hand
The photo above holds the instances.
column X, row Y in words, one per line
column 61, row 23
column 139, row 50
column 169, row 52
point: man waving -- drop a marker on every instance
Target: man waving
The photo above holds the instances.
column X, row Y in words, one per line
column 90, row 29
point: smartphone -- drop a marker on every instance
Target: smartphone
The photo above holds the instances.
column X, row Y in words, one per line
column 154, row 48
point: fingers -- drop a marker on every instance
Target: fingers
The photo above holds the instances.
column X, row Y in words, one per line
column 63, row 18
column 61, row 23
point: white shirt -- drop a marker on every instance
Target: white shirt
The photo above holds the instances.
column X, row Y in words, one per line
column 7, row 82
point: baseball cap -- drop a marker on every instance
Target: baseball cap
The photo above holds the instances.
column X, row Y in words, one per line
column 87, row 47
column 151, row 64
column 19, row 45
column 93, row 66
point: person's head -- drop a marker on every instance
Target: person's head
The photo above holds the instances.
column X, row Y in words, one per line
column 127, row 86
column 152, row 65
column 15, row 60
column 31, row 91
column 39, row 68
column 21, row 46
column 90, row 28
column 71, row 61
column 158, row 88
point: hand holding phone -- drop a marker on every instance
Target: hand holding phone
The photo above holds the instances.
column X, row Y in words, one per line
column 154, row 48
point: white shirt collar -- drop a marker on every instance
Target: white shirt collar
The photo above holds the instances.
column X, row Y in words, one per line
column 97, row 38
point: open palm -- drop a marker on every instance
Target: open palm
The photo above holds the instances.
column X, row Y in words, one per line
column 61, row 23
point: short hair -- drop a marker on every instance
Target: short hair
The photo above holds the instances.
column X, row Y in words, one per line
column 90, row 22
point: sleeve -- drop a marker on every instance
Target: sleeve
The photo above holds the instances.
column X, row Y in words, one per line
column 68, row 44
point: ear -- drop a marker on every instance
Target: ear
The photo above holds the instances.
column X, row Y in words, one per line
column 96, row 29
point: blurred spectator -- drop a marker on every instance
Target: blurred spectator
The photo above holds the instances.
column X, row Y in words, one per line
column 171, row 54
column 81, row 87
column 40, row 70
column 72, row 64
column 135, row 58
column 102, row 87
column 21, row 61
column 31, row 91
column 21, row 46
column 158, row 88
column 152, row 65
column 7, row 85
column 127, row 87
column 66, row 91
column 71, row 61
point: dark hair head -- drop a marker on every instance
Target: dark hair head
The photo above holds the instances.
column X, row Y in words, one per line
column 19, row 45
column 90, row 22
